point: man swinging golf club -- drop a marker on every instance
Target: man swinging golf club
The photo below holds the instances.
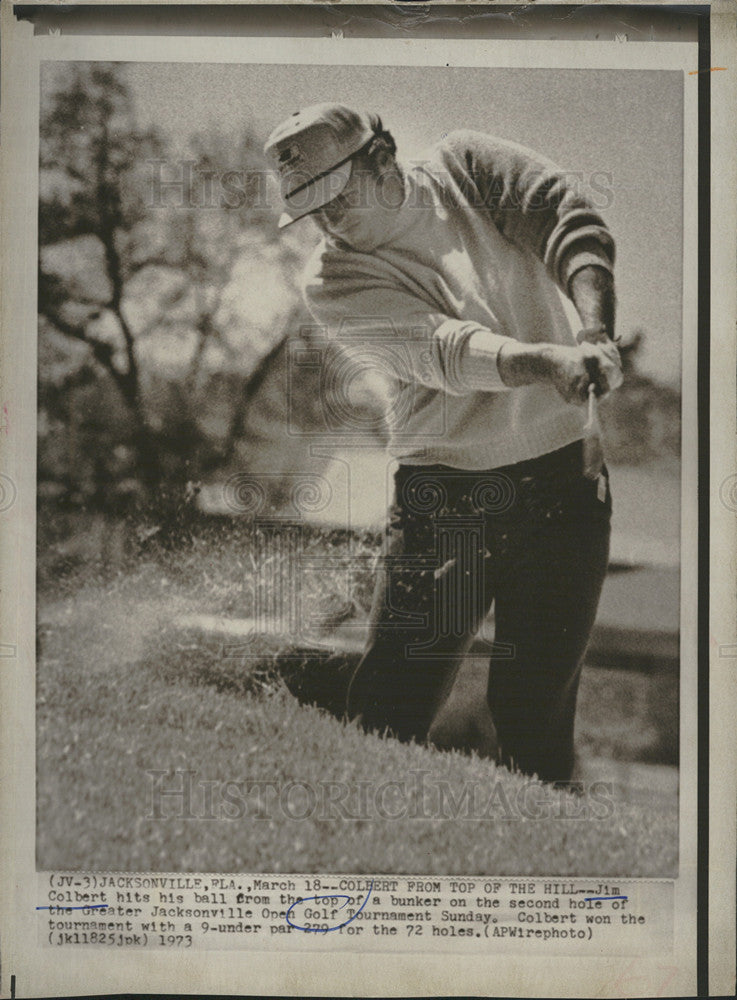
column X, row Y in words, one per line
column 497, row 498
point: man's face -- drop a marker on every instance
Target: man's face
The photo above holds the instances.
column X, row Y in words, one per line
column 362, row 214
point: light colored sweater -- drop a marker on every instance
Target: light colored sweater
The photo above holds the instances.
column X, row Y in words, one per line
column 488, row 233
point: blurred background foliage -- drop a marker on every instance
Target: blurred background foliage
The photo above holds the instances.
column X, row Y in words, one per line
column 168, row 305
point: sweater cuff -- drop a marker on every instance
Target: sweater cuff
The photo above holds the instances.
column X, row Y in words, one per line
column 479, row 363
column 578, row 260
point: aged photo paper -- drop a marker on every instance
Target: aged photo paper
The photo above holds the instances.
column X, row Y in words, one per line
column 367, row 498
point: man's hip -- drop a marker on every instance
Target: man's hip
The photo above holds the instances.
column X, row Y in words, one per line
column 550, row 489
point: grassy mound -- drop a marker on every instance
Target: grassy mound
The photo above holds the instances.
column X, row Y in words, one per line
column 128, row 708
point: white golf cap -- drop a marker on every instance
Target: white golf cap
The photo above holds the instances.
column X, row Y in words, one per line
column 312, row 150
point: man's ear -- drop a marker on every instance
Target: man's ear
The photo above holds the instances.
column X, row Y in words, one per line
column 384, row 160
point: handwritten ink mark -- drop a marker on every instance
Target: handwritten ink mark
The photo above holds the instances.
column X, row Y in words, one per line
column 591, row 899
column 695, row 72
column 324, row 930
column 89, row 906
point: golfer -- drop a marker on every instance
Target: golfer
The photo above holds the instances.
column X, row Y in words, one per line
column 454, row 269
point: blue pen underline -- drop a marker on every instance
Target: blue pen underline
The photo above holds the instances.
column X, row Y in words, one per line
column 87, row 906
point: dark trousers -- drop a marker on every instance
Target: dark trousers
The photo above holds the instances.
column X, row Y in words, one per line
column 531, row 538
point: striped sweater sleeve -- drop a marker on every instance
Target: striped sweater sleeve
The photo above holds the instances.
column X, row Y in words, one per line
column 533, row 203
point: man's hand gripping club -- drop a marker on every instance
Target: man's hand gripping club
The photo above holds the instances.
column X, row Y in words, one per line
column 573, row 370
column 570, row 369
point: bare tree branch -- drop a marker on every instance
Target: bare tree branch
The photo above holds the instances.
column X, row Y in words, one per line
column 239, row 418
column 102, row 351
column 108, row 201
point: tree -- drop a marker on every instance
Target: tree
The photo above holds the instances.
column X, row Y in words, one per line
column 90, row 151
column 152, row 278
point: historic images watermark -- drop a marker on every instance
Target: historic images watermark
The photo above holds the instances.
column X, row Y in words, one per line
column 370, row 374
column 187, row 183
column 183, row 794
